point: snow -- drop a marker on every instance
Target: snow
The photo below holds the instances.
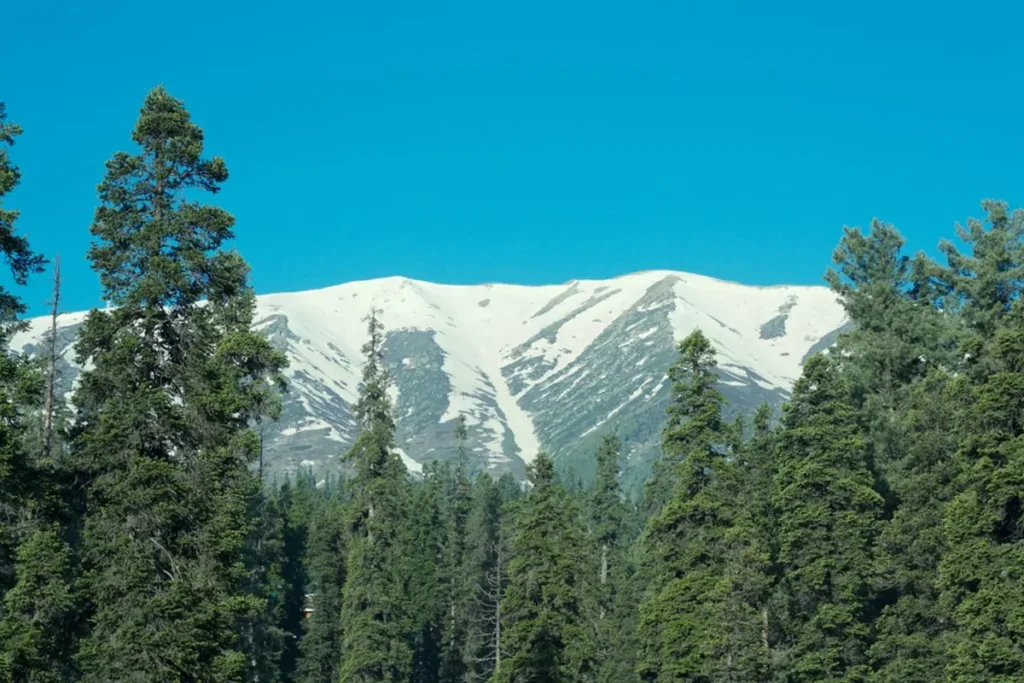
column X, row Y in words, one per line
column 38, row 327
column 731, row 316
column 327, row 331
column 638, row 337
column 409, row 463
column 311, row 424
column 632, row 397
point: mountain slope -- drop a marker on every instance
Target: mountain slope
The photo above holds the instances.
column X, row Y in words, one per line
column 550, row 367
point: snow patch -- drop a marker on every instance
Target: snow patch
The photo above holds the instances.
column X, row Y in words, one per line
column 409, row 463
column 632, row 397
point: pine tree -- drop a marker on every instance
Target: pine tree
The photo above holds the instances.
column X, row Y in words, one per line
column 277, row 578
column 753, row 549
column 694, row 415
column 263, row 640
column 549, row 632
column 37, row 605
column 298, row 501
column 747, row 550
column 426, row 594
column 912, row 629
column 22, row 262
column 982, row 568
column 39, row 611
column 457, row 588
column 984, row 283
column 610, row 522
column 898, row 333
column 375, row 608
column 16, row 381
column 486, row 572
column 320, row 645
column 681, row 631
column 618, row 653
column 50, row 410
column 828, row 517
column 38, row 616
column 608, row 511
column 163, row 426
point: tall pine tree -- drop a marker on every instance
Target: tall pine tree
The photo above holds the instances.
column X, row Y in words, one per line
column 16, row 383
column 828, row 517
column 320, row 645
column 426, row 588
column 682, row 633
column 984, row 282
column 912, row 629
column 162, row 432
column 37, row 607
column 897, row 333
column 547, row 610
column 611, row 522
column 375, row 612
column 486, row 575
column 694, row 417
column 457, row 591
column 982, row 569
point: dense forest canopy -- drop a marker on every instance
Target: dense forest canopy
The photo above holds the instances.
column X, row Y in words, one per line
column 874, row 531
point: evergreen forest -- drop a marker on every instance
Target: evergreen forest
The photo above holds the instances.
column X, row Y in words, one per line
column 873, row 530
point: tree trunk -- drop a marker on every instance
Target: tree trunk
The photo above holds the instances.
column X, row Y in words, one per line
column 764, row 627
column 604, row 564
column 51, row 378
column 604, row 573
column 497, row 617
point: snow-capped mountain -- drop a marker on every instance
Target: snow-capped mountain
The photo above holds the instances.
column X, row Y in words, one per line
column 548, row 367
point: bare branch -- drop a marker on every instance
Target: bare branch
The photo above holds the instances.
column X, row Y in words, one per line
column 51, row 378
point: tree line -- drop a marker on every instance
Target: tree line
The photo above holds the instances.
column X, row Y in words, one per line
column 871, row 531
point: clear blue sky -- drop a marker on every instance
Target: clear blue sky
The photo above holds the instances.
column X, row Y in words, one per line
column 531, row 142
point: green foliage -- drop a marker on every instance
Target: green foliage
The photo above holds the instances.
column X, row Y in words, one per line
column 608, row 510
column 426, row 595
column 700, row 619
column 985, row 281
column 828, row 519
column 375, row 611
column 982, row 568
column 162, row 433
column 486, row 576
column 324, row 562
column 262, row 638
column 21, row 260
column 277, row 577
column 39, row 611
column 899, row 332
column 748, row 553
column 547, row 609
column 296, row 502
column 18, row 384
column 912, row 629
column 612, row 524
column 457, row 591
column 37, row 606
column 694, row 417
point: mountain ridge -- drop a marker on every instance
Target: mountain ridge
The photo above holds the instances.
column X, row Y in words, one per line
column 530, row 366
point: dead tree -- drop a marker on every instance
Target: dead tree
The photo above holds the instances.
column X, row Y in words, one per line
column 489, row 596
column 51, row 360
